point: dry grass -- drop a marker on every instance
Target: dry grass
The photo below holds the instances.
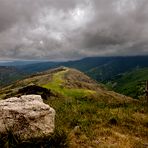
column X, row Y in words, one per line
column 96, row 124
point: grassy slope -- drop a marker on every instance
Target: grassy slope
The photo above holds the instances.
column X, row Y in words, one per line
column 132, row 83
column 94, row 119
column 96, row 124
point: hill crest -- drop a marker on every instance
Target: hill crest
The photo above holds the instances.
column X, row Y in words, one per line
column 64, row 82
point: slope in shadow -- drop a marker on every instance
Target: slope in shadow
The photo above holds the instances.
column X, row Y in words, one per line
column 34, row 89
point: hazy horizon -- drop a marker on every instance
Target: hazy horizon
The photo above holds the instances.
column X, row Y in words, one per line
column 68, row 60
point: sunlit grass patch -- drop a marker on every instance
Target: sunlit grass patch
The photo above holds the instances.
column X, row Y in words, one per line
column 57, row 85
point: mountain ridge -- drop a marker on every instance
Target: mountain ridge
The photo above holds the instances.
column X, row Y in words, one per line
column 62, row 80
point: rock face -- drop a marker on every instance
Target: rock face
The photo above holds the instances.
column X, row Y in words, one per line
column 26, row 117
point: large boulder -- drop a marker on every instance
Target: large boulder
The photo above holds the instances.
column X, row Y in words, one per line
column 26, row 117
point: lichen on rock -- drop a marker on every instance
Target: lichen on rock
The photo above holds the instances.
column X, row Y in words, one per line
column 26, row 117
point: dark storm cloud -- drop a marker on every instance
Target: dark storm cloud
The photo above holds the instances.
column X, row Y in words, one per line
column 70, row 29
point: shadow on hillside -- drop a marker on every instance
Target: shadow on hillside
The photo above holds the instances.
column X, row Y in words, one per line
column 37, row 90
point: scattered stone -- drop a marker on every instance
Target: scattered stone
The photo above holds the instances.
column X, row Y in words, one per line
column 113, row 121
column 26, row 117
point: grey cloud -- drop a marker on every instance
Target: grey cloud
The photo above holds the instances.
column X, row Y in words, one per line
column 71, row 29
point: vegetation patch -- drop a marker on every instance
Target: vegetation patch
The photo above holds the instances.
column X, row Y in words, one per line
column 131, row 83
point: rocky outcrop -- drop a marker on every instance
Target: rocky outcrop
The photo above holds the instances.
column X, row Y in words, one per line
column 26, row 117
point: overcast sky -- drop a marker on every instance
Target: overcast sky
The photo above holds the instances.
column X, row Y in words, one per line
column 72, row 29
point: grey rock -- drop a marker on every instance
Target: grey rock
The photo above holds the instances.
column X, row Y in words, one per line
column 26, row 117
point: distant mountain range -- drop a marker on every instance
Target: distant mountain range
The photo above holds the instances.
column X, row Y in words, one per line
column 99, row 65
column 9, row 74
column 107, row 70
